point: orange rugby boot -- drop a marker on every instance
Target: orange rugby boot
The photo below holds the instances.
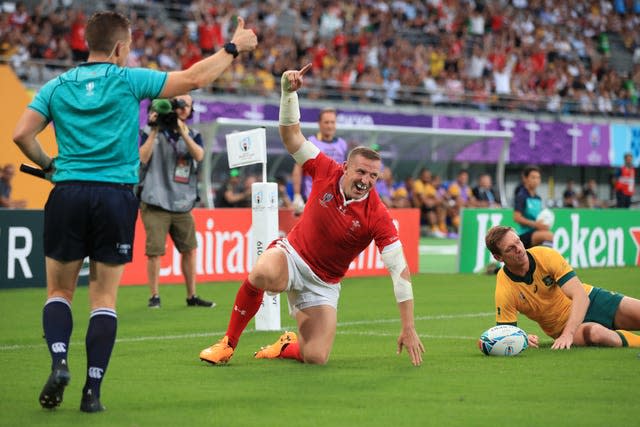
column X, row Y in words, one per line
column 218, row 353
column 273, row 351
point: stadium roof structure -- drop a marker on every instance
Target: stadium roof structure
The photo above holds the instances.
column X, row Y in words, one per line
column 424, row 145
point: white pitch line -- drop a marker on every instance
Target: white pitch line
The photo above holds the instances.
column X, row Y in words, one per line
column 438, row 250
column 389, row 334
column 289, row 327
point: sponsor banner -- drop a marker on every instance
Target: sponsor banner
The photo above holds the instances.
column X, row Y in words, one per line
column 357, row 117
column 542, row 142
column 539, row 142
column 224, row 247
column 22, row 253
column 585, row 237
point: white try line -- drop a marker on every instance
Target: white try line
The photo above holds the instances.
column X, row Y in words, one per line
column 288, row 327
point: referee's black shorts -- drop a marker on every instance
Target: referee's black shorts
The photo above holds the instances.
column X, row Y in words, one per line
column 91, row 219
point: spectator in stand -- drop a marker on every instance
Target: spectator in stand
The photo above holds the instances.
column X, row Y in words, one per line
column 209, row 33
column 6, row 175
column 284, row 201
column 403, row 191
column 76, row 39
column 624, row 182
column 462, row 196
column 384, row 187
column 484, row 194
column 569, row 196
column 19, row 17
column 443, row 204
column 424, row 198
column 233, row 194
column 369, row 40
column 400, row 196
column 589, row 196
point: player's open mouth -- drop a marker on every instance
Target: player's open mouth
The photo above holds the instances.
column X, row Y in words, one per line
column 360, row 186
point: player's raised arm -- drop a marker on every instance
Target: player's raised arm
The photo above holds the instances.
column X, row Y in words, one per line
column 290, row 132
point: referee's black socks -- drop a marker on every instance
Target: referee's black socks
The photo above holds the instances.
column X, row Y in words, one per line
column 57, row 324
column 101, row 336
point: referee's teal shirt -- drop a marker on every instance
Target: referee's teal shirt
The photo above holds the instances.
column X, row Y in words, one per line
column 95, row 108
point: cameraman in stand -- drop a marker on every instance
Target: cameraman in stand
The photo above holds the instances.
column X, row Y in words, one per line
column 169, row 155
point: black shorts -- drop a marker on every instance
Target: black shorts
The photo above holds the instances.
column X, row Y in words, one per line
column 526, row 238
column 91, row 219
column 622, row 200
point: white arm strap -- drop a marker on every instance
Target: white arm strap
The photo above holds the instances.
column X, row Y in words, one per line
column 306, row 152
column 395, row 262
column 289, row 108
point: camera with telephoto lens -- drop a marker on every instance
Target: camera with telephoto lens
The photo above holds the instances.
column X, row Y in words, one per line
column 166, row 111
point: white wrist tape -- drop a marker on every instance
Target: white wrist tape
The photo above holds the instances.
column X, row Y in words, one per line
column 306, row 152
column 289, row 108
column 395, row 262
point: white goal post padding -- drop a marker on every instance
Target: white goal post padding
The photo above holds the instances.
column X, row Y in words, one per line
column 428, row 145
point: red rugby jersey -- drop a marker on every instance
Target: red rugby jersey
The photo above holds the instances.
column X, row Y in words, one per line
column 332, row 231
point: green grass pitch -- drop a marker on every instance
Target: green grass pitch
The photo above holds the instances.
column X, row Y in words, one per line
column 156, row 379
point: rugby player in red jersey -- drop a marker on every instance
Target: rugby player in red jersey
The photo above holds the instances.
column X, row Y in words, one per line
column 342, row 216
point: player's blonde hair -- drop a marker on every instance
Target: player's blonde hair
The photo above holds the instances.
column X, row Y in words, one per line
column 366, row 152
column 495, row 236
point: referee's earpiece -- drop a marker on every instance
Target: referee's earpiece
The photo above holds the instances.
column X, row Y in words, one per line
column 115, row 52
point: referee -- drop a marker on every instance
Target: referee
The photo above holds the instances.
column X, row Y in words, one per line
column 91, row 211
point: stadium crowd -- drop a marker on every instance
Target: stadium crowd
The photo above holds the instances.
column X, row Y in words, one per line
column 439, row 199
column 532, row 55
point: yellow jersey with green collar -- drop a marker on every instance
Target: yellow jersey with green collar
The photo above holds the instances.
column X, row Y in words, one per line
column 537, row 294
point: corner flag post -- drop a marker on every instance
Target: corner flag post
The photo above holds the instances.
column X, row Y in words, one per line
column 246, row 148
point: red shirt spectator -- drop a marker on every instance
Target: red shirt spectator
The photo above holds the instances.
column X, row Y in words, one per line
column 539, row 61
column 319, row 53
column 19, row 17
column 210, row 35
column 191, row 55
column 76, row 37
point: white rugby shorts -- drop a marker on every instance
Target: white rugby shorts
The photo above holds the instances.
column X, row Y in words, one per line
column 304, row 288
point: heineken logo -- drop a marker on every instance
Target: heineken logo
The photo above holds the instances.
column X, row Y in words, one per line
column 586, row 238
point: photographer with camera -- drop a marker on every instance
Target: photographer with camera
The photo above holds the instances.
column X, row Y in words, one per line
column 170, row 154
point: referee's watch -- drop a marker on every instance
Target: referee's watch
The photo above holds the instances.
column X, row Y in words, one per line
column 232, row 49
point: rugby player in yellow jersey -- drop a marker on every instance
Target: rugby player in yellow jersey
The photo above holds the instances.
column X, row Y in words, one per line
column 539, row 283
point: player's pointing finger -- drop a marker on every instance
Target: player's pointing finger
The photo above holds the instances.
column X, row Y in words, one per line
column 305, row 69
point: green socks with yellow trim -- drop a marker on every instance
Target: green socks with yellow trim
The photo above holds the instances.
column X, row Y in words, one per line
column 629, row 339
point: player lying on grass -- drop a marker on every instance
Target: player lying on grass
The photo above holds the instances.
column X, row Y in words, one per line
column 343, row 214
column 539, row 283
